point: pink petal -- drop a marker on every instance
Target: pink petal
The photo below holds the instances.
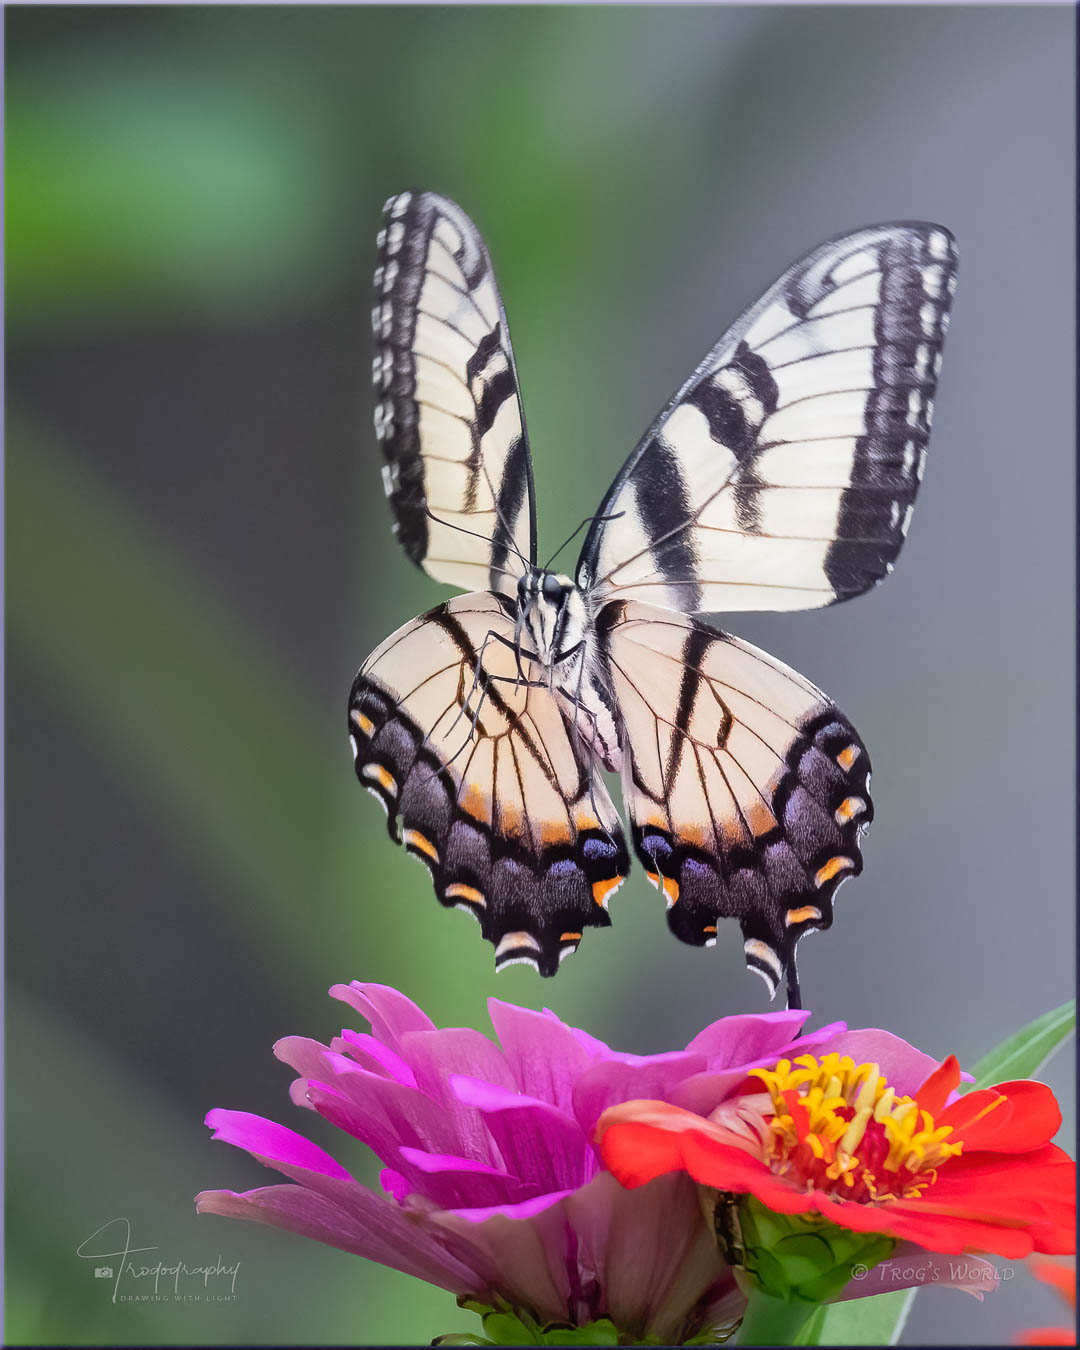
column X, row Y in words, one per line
column 904, row 1067
column 453, row 1182
column 591, row 1044
column 435, row 1055
column 527, row 1262
column 308, row 1057
column 651, row 1252
column 739, row 1040
column 544, row 1055
column 391, row 1014
column 370, row 1227
column 386, row 1115
column 272, row 1143
column 630, row 1078
column 540, row 1144
column 396, row 1185
column 374, row 1055
column 704, row 1092
column 522, row 1210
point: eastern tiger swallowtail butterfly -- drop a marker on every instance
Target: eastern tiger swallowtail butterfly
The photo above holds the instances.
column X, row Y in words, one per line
column 781, row 476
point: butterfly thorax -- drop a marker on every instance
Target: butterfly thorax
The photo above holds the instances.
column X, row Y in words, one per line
column 551, row 619
column 555, row 628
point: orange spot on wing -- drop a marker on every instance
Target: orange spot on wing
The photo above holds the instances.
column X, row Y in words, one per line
column 847, row 757
column 383, row 777
column 414, row 839
column 848, row 809
column 511, row 821
column 476, row 803
column 569, row 937
column 802, row 914
column 602, row 889
column 831, row 868
column 759, row 818
column 459, row 891
column 668, row 885
column 555, row 832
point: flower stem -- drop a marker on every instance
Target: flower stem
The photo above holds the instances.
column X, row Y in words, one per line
column 773, row 1321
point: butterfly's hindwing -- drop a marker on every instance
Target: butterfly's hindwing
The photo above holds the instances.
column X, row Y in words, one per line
column 746, row 788
column 447, row 409
column 483, row 781
column 783, row 474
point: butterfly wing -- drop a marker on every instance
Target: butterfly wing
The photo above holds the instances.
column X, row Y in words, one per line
column 746, row 787
column 447, row 411
column 483, row 781
column 783, row 474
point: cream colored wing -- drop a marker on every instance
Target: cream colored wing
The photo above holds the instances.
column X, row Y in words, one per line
column 747, row 789
column 783, row 474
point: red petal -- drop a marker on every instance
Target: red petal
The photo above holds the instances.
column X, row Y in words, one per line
column 947, row 1234
column 730, row 1169
column 934, row 1093
column 1047, row 1336
column 1028, row 1117
column 951, row 1234
column 635, row 1154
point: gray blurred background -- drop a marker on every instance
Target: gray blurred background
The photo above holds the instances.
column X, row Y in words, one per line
column 199, row 557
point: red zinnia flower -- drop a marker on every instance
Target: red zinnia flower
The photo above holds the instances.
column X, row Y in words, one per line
column 976, row 1174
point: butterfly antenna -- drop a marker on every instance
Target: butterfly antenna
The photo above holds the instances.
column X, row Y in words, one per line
column 477, row 535
column 586, row 521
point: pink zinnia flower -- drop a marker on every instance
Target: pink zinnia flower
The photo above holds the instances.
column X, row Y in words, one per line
column 492, row 1187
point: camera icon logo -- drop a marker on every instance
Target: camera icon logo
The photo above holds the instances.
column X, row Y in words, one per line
column 103, row 1272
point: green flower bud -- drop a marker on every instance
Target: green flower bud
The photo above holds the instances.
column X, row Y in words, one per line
column 794, row 1257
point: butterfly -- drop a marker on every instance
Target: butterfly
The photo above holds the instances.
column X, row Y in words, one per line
column 781, row 476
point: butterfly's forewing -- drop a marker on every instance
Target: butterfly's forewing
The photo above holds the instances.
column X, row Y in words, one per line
column 483, row 781
column 447, row 409
column 746, row 787
column 783, row 474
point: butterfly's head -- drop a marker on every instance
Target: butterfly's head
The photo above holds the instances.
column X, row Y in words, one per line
column 551, row 615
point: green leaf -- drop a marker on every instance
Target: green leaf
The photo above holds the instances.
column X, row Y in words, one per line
column 1023, row 1054
column 860, row 1321
column 504, row 1328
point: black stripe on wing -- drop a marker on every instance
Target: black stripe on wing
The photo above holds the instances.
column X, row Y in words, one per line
column 910, row 323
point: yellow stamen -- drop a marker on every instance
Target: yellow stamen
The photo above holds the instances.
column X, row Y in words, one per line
column 848, row 1117
column 853, row 1135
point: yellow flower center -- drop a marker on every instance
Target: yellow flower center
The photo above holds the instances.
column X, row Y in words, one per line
column 837, row 1126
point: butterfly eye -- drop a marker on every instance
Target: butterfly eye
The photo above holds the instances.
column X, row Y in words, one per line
column 552, row 588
